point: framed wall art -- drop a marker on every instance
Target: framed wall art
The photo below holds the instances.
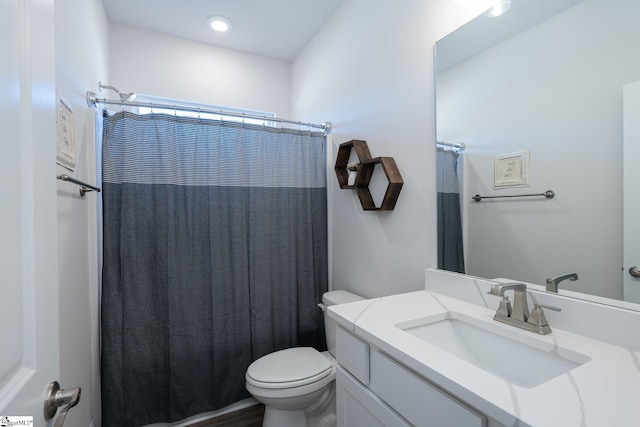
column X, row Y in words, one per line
column 66, row 153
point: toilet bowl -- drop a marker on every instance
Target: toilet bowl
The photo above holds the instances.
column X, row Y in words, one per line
column 297, row 385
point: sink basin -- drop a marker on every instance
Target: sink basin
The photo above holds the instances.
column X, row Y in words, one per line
column 520, row 359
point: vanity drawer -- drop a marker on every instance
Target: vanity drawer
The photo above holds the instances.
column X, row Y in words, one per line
column 353, row 354
column 420, row 402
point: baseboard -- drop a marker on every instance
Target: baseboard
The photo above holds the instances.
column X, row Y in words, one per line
column 247, row 417
column 201, row 420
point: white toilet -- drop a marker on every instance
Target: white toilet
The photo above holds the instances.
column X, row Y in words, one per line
column 297, row 385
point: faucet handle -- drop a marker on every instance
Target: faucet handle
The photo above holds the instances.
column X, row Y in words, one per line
column 504, row 309
column 537, row 314
column 550, row 307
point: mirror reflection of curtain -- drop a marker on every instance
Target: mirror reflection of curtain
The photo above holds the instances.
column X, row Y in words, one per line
column 450, row 250
column 215, row 253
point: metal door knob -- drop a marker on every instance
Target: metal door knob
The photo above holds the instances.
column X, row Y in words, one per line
column 634, row 271
column 57, row 398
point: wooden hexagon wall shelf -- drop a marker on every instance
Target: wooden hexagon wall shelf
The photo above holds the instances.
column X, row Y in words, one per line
column 363, row 179
column 342, row 160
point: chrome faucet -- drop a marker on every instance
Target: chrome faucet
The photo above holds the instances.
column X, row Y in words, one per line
column 519, row 315
column 553, row 282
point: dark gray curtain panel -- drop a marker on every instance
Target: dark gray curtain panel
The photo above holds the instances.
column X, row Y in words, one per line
column 450, row 250
column 215, row 253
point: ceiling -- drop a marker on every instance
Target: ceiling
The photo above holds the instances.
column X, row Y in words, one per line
column 273, row 28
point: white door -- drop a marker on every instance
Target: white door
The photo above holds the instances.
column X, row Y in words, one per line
column 631, row 191
column 28, row 234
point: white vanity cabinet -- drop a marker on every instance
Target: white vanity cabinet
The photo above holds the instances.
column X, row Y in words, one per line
column 375, row 390
column 357, row 405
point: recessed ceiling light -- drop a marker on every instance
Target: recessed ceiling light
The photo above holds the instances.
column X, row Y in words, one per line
column 219, row 23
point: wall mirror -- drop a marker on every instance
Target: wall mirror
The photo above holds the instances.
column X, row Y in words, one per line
column 546, row 79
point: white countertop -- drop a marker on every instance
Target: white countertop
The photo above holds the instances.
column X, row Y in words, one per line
column 604, row 391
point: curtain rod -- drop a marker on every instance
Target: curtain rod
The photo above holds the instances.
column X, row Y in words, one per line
column 93, row 101
column 459, row 146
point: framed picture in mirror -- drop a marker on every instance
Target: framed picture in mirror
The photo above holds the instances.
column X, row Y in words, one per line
column 511, row 170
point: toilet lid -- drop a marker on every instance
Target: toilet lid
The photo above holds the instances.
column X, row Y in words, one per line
column 290, row 365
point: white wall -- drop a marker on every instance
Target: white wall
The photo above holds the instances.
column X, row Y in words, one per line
column 556, row 90
column 159, row 65
column 370, row 72
column 81, row 52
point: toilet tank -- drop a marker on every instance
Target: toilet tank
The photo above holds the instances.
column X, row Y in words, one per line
column 332, row 298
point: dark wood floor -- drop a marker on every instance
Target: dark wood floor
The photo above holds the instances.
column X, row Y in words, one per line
column 247, row 417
